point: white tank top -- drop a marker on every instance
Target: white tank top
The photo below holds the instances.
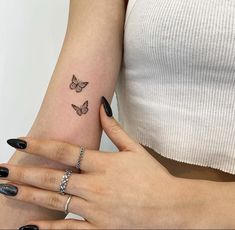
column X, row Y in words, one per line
column 176, row 89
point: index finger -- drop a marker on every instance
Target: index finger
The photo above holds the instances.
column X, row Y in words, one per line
column 62, row 152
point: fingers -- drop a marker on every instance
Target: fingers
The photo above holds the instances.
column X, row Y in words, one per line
column 60, row 224
column 50, row 200
column 61, row 152
column 49, row 179
column 113, row 129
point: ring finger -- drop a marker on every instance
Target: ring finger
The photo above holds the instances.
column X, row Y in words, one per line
column 49, row 179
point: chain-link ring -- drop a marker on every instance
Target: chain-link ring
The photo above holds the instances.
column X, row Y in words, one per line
column 78, row 165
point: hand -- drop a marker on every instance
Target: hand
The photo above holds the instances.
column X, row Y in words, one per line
column 126, row 189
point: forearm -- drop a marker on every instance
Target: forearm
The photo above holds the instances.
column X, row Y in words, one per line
column 92, row 50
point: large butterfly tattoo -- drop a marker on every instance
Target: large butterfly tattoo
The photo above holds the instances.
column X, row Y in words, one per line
column 77, row 85
column 82, row 109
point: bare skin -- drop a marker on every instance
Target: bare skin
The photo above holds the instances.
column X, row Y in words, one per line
column 126, row 189
column 123, row 190
column 97, row 63
column 90, row 55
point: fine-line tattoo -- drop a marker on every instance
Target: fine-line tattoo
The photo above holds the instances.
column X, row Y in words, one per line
column 77, row 85
column 81, row 109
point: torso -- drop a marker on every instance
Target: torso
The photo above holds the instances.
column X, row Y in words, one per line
column 176, row 91
column 190, row 171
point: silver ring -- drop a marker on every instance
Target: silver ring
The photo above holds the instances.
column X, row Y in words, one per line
column 66, row 207
column 78, row 165
column 64, row 181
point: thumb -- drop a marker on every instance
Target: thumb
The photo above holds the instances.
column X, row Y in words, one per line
column 113, row 129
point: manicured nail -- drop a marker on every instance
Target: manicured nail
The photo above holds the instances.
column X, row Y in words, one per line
column 9, row 190
column 17, row 143
column 4, row 172
column 107, row 107
column 29, row 227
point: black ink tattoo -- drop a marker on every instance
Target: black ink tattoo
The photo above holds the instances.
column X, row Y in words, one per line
column 77, row 85
column 82, row 109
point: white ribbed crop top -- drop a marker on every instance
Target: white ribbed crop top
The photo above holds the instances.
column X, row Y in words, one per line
column 176, row 89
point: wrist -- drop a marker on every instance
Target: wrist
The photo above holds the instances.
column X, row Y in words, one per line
column 215, row 204
column 224, row 211
column 192, row 200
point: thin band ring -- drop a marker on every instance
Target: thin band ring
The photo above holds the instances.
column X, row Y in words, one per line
column 82, row 151
column 66, row 207
column 64, row 181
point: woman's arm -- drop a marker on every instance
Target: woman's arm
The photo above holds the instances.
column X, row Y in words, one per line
column 92, row 51
column 109, row 187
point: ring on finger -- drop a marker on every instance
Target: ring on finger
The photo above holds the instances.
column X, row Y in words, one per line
column 64, row 181
column 81, row 154
column 66, row 207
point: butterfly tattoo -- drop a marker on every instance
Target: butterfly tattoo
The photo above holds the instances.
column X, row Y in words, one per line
column 77, row 85
column 82, row 109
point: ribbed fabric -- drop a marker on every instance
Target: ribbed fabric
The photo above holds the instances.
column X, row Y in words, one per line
column 176, row 90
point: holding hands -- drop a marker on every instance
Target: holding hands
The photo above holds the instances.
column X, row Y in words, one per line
column 125, row 189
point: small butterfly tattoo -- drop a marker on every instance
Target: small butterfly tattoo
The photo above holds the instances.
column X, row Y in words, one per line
column 82, row 109
column 77, row 85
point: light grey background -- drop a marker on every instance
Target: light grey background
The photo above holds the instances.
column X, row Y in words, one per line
column 31, row 36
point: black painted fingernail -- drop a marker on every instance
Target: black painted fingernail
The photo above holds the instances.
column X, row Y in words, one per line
column 8, row 189
column 4, row 172
column 29, row 227
column 107, row 107
column 17, row 143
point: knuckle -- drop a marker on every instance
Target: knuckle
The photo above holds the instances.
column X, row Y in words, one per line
column 80, row 187
column 60, row 151
column 53, row 201
column 19, row 174
column 26, row 196
column 106, row 163
column 85, row 186
column 99, row 190
column 35, row 145
column 115, row 127
column 95, row 188
column 48, row 179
